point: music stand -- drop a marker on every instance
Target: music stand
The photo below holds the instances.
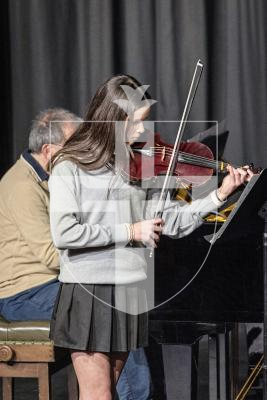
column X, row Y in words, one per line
column 250, row 216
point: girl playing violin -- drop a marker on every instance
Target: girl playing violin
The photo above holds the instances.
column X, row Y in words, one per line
column 95, row 215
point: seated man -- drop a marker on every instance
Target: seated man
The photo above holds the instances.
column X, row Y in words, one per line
column 29, row 261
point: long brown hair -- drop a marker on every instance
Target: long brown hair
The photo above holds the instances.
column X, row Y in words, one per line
column 92, row 145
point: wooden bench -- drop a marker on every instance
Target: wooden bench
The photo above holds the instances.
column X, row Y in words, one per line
column 27, row 352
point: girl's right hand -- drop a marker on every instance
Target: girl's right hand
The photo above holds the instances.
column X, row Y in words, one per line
column 148, row 231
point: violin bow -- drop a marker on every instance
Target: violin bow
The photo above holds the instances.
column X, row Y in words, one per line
column 175, row 151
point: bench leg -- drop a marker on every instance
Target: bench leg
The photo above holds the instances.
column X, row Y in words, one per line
column 44, row 382
column 7, row 388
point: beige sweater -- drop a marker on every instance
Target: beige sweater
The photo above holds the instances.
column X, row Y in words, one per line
column 27, row 255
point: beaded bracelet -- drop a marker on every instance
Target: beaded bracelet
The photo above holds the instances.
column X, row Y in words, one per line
column 131, row 233
column 130, row 230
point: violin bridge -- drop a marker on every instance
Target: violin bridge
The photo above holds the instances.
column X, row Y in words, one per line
column 163, row 153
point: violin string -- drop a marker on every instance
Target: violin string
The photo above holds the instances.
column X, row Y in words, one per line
column 158, row 150
column 190, row 158
column 199, row 161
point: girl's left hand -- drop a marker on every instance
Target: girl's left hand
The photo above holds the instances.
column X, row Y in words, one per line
column 235, row 178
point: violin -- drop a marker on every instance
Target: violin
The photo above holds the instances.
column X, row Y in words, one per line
column 185, row 159
column 195, row 163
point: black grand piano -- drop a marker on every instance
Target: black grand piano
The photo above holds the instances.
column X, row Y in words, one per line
column 223, row 294
column 226, row 290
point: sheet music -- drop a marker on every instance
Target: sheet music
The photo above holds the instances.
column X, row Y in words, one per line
column 244, row 218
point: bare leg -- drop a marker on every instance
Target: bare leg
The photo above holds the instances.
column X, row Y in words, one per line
column 94, row 373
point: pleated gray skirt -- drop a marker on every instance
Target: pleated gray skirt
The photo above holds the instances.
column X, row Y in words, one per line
column 83, row 319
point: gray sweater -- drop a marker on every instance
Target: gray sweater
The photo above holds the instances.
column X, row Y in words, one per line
column 88, row 213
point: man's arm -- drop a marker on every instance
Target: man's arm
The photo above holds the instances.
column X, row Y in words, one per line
column 30, row 214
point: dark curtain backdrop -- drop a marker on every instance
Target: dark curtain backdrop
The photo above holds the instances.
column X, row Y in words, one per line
column 57, row 52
